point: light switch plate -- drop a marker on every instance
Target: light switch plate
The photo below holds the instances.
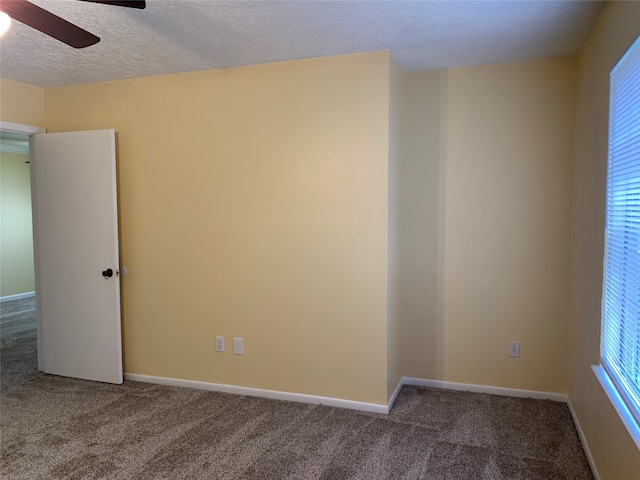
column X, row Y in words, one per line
column 238, row 346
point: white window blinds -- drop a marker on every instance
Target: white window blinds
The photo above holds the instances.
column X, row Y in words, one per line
column 620, row 341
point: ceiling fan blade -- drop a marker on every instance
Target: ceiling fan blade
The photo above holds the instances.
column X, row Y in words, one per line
column 121, row 3
column 46, row 22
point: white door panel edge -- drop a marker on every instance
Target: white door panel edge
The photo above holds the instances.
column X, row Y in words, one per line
column 75, row 239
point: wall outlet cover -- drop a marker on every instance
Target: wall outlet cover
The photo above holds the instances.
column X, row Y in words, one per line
column 514, row 349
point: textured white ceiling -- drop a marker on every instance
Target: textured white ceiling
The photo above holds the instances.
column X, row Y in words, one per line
column 172, row 36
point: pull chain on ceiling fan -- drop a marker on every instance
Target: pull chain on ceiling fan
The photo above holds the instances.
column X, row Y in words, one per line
column 46, row 22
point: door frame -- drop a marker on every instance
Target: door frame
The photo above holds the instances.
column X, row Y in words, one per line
column 30, row 130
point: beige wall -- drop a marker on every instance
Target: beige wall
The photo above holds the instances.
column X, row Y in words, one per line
column 485, row 223
column 417, row 211
column 20, row 103
column 253, row 203
column 16, row 237
column 507, row 223
column 614, row 452
column 414, row 218
column 396, row 126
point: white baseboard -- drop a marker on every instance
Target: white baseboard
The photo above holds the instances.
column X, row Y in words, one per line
column 339, row 402
column 259, row 392
column 583, row 440
column 468, row 387
column 17, row 296
column 395, row 394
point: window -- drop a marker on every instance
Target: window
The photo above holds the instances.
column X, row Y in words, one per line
column 620, row 340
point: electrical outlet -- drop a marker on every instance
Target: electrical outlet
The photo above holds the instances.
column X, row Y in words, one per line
column 514, row 349
column 238, row 346
column 219, row 344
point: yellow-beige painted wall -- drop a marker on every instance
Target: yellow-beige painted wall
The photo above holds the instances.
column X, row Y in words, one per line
column 396, row 143
column 507, row 216
column 614, row 453
column 418, row 190
column 21, row 103
column 253, row 203
column 485, row 223
column 16, row 235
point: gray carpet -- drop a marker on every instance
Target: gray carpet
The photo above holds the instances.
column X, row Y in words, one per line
column 61, row 428
column 18, row 348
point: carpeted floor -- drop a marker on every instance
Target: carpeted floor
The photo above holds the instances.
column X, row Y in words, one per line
column 18, row 348
column 61, row 428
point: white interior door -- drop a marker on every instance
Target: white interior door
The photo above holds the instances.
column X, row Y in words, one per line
column 73, row 182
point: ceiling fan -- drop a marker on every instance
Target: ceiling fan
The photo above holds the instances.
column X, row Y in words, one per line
column 54, row 26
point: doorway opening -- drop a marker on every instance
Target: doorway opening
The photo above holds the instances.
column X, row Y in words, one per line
column 18, row 337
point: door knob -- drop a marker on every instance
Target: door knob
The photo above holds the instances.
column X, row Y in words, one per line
column 107, row 273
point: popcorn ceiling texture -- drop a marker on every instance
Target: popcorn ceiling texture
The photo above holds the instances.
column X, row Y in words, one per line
column 173, row 36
